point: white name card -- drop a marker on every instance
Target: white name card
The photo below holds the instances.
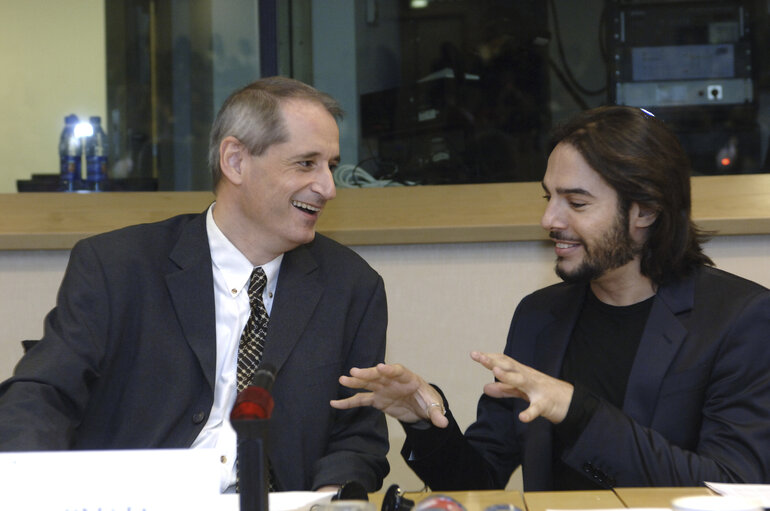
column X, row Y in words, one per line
column 121, row 480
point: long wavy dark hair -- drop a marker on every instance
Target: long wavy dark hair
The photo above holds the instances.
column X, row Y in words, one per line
column 644, row 162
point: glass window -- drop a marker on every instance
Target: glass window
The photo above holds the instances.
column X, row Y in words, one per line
column 170, row 64
column 439, row 91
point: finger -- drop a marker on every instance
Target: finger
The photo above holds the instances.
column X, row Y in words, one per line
column 370, row 378
column 481, row 358
column 437, row 417
column 428, row 397
column 511, row 377
column 433, row 406
column 382, row 373
column 531, row 413
column 355, row 383
column 341, row 404
column 357, row 400
column 365, row 373
column 397, row 372
column 503, row 361
column 492, row 360
column 503, row 390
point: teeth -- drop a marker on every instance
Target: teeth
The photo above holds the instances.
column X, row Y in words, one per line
column 563, row 245
column 305, row 205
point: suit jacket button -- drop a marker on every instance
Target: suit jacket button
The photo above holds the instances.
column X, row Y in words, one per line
column 198, row 417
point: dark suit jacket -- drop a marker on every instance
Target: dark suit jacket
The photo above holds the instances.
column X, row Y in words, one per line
column 128, row 357
column 697, row 405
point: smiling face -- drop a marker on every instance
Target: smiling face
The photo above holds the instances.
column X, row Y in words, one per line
column 273, row 200
column 583, row 218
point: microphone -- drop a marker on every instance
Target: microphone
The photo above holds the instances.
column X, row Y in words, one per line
column 264, row 377
column 255, row 401
column 250, row 420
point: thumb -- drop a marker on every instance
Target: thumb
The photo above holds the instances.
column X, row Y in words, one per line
column 437, row 414
column 531, row 413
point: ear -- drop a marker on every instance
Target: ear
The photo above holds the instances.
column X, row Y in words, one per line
column 232, row 154
column 641, row 216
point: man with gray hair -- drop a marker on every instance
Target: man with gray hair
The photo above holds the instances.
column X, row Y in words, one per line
column 157, row 326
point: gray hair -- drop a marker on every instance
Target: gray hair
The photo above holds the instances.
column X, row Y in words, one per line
column 252, row 114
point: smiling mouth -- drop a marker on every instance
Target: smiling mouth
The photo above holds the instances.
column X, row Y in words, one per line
column 561, row 241
column 305, row 207
column 565, row 247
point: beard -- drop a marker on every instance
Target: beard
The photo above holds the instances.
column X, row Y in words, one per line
column 612, row 250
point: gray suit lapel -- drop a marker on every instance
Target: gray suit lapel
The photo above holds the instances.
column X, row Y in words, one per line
column 296, row 298
column 660, row 342
column 191, row 288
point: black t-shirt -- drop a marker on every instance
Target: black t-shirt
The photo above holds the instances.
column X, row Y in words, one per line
column 598, row 361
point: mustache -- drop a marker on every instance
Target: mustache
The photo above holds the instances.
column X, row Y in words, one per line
column 560, row 236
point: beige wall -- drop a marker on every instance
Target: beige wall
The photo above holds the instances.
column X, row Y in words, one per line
column 53, row 60
column 443, row 301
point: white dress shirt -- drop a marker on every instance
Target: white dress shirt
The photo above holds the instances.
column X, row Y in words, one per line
column 231, row 302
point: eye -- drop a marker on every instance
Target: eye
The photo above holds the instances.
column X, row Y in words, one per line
column 305, row 164
column 577, row 205
column 547, row 197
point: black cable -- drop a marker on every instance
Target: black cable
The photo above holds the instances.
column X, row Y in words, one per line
column 568, row 75
column 567, row 85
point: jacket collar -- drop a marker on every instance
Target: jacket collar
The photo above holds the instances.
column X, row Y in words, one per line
column 663, row 335
column 190, row 285
column 297, row 296
column 552, row 341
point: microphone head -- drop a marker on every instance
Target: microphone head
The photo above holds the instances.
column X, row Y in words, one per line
column 252, row 403
column 255, row 401
column 264, row 377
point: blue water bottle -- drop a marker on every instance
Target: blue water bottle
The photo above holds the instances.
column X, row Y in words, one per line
column 70, row 155
column 96, row 156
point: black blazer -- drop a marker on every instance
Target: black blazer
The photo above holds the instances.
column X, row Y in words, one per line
column 128, row 357
column 697, row 405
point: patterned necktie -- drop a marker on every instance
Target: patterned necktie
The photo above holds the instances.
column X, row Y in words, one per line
column 251, row 346
column 253, row 338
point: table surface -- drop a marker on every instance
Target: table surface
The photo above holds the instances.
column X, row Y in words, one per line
column 656, row 497
column 541, row 501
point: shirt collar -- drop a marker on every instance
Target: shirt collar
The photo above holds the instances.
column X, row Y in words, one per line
column 234, row 266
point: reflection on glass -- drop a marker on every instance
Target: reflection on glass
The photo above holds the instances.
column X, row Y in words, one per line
column 441, row 91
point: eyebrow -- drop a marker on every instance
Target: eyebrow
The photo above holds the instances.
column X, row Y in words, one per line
column 569, row 191
column 313, row 154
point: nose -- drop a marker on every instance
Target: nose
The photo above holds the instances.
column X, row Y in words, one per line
column 551, row 219
column 324, row 184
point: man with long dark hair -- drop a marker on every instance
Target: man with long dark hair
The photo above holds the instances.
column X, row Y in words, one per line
column 647, row 366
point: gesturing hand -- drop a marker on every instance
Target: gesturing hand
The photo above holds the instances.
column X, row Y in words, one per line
column 548, row 397
column 395, row 390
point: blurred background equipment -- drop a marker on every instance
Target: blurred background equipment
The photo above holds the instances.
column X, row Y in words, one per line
column 691, row 64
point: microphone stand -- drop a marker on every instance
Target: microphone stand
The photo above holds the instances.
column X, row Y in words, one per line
column 252, row 463
column 250, row 418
